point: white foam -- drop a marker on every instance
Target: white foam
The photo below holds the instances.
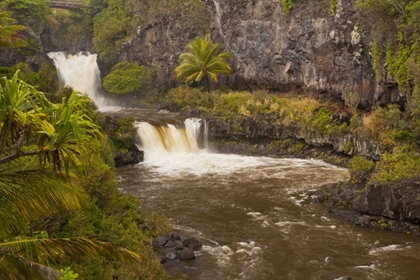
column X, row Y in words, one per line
column 392, row 247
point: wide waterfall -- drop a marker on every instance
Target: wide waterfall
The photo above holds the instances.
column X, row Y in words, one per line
column 166, row 140
column 81, row 72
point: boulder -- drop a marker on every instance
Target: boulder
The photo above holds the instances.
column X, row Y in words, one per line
column 187, row 254
column 193, row 244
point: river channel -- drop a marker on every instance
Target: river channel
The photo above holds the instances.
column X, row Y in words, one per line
column 253, row 216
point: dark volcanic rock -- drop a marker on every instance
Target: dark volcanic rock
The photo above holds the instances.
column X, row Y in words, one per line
column 187, row 254
column 264, row 130
column 393, row 206
column 170, row 244
column 159, row 241
column 175, row 236
column 193, row 244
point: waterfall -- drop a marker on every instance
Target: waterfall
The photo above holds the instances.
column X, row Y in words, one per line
column 81, row 72
column 163, row 141
column 206, row 135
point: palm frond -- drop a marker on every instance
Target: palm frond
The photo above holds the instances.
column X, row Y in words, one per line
column 26, row 196
column 51, row 251
column 202, row 60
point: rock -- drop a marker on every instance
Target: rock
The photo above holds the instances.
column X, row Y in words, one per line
column 193, row 244
column 175, row 236
column 171, row 256
column 187, row 254
column 170, row 244
column 344, row 278
column 159, row 241
column 179, row 246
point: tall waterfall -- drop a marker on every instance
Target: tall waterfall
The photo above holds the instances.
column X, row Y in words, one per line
column 81, row 72
column 163, row 141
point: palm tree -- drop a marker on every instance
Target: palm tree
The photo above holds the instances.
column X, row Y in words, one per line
column 203, row 61
column 9, row 37
column 31, row 126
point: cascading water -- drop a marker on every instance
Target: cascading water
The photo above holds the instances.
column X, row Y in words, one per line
column 81, row 72
column 166, row 140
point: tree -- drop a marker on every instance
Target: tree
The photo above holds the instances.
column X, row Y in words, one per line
column 9, row 31
column 36, row 137
column 203, row 61
column 128, row 77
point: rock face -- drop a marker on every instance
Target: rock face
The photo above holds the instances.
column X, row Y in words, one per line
column 306, row 48
column 266, row 128
column 394, row 206
column 123, row 137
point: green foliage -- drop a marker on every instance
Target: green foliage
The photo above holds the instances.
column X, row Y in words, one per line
column 403, row 162
column 322, row 120
column 232, row 102
column 189, row 98
column 352, row 100
column 377, row 60
column 287, row 6
column 348, row 147
column 333, row 7
column 129, row 78
column 125, row 135
column 395, row 24
column 117, row 217
column 203, row 61
column 382, row 124
column 33, row 13
column 361, row 164
column 68, row 274
column 70, row 26
column 343, row 128
column 56, row 134
column 111, row 29
column 45, row 80
column 9, row 31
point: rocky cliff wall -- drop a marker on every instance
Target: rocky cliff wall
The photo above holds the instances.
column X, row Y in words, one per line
column 273, row 50
column 267, row 129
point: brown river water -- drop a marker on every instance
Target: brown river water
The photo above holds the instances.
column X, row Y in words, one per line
column 253, row 216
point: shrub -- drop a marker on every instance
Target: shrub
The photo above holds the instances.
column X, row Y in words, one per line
column 188, row 97
column 403, row 162
column 129, row 78
column 322, row 120
column 361, row 163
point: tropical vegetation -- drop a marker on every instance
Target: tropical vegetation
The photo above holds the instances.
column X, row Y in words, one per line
column 9, row 30
column 129, row 78
column 203, row 62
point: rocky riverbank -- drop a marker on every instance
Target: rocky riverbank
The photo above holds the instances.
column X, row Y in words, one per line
column 393, row 206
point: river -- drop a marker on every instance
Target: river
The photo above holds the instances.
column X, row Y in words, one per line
column 254, row 217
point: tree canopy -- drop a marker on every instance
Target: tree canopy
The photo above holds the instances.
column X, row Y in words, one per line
column 9, row 30
column 203, row 61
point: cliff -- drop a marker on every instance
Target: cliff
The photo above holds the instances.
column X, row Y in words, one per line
column 307, row 48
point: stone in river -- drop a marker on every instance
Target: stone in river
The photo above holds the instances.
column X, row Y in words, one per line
column 170, row 244
column 175, row 236
column 193, row 244
column 187, row 254
column 170, row 256
column 159, row 241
